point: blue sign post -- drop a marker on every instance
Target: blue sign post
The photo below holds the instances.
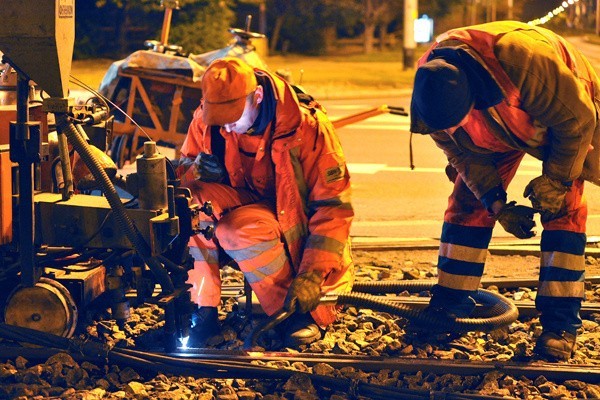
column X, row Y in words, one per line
column 424, row 29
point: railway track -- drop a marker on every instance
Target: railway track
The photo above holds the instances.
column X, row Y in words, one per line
column 374, row 348
column 552, row 371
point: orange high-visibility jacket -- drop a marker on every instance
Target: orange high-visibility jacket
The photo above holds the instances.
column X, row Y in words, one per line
column 312, row 183
column 549, row 110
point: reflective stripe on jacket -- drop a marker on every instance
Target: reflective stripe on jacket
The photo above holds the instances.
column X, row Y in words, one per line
column 549, row 109
column 311, row 180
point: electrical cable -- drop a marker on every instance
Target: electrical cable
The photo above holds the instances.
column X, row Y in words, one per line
column 106, row 100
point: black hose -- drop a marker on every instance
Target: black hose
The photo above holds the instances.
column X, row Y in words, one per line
column 269, row 323
column 64, row 125
column 171, row 266
column 375, row 287
column 503, row 311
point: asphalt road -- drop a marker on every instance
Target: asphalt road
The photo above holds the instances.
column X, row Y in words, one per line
column 393, row 201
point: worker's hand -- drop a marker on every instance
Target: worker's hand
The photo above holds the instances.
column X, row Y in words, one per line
column 208, row 168
column 517, row 220
column 546, row 194
column 304, row 292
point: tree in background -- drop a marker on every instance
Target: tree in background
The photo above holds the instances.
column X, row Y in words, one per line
column 124, row 16
column 202, row 25
column 299, row 26
column 309, row 26
column 280, row 9
column 375, row 16
column 447, row 14
column 115, row 28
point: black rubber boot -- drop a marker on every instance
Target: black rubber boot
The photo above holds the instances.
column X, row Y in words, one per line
column 299, row 329
column 556, row 345
column 445, row 306
column 205, row 324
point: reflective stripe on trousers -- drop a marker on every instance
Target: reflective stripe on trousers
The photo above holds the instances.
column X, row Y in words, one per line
column 562, row 265
column 465, row 237
column 462, row 255
column 251, row 236
column 205, row 277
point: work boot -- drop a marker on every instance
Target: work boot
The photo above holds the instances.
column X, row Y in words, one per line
column 299, row 329
column 205, row 325
column 556, row 345
column 445, row 306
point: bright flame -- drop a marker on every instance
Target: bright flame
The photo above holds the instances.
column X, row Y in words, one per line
column 184, row 342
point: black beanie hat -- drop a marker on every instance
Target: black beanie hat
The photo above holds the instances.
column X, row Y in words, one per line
column 442, row 96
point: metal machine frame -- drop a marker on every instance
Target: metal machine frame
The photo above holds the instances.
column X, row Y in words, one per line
column 61, row 251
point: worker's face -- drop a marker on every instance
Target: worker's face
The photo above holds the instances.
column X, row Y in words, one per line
column 249, row 115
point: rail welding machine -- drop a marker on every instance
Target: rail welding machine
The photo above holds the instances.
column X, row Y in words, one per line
column 63, row 248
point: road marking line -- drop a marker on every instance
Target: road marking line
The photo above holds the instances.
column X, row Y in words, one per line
column 379, row 127
column 373, row 168
column 365, row 168
column 395, row 223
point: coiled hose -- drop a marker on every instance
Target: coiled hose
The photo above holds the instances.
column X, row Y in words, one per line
column 501, row 310
column 65, row 126
column 375, row 287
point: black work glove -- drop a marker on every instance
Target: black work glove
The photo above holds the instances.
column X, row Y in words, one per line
column 546, row 194
column 517, row 220
column 208, row 168
column 304, row 292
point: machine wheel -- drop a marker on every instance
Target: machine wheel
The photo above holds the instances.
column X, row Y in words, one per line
column 114, row 148
column 47, row 306
column 120, row 149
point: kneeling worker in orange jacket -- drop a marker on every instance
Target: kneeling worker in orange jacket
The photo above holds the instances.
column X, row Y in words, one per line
column 276, row 175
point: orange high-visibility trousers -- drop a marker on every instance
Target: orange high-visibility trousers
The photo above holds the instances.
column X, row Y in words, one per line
column 205, row 277
column 250, row 234
column 466, row 234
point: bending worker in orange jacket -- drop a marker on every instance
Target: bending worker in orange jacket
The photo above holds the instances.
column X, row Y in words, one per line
column 488, row 94
column 277, row 179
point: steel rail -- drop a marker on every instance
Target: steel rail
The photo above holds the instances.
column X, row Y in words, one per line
column 552, row 371
column 516, row 247
column 526, row 308
column 233, row 290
